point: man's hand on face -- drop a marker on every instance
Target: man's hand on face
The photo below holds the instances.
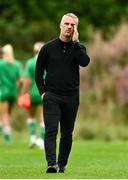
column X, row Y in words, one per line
column 75, row 34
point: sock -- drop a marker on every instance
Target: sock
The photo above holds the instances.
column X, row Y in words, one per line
column 31, row 126
column 42, row 130
column 40, row 140
column 7, row 134
column 32, row 130
column 33, row 139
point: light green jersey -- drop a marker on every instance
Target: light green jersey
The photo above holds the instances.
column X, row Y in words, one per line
column 30, row 73
column 9, row 74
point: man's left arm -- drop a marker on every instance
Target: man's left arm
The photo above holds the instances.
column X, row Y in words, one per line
column 81, row 56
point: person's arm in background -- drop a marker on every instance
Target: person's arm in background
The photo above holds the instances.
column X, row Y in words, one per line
column 19, row 81
column 26, row 79
column 26, row 84
column 81, row 56
column 39, row 71
column 23, row 95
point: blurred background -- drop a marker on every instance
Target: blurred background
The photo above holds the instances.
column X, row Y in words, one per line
column 103, row 28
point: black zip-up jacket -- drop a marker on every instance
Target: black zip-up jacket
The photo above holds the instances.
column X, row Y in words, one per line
column 61, row 60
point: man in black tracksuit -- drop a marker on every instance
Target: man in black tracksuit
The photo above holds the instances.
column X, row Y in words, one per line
column 61, row 58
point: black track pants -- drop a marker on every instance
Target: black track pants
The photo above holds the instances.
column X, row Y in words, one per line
column 57, row 109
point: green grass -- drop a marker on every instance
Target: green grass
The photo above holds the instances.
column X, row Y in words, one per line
column 91, row 159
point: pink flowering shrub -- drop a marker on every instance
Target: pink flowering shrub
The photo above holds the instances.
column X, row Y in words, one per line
column 104, row 85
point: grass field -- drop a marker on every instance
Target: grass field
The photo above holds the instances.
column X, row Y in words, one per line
column 91, row 159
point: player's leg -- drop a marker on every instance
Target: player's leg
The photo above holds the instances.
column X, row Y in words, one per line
column 32, row 124
column 1, row 122
column 6, row 118
column 40, row 140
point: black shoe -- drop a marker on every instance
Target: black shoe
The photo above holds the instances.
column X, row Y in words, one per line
column 52, row 169
column 61, row 169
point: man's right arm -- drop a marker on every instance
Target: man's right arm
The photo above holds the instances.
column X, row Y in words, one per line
column 39, row 71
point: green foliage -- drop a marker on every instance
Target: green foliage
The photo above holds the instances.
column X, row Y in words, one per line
column 24, row 22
